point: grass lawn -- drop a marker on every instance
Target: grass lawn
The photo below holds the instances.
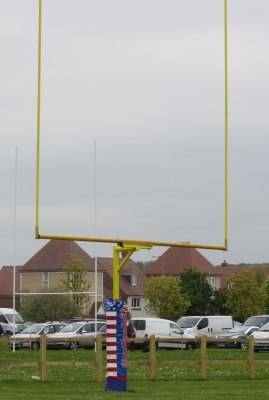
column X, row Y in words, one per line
column 173, row 382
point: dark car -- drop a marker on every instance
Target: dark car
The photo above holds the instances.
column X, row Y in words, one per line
column 239, row 332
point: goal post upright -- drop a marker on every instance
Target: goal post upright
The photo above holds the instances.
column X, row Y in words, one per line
column 127, row 241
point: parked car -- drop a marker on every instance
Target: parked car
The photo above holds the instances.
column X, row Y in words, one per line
column 257, row 320
column 101, row 332
column 210, row 325
column 239, row 332
column 163, row 329
column 74, row 331
column 7, row 316
column 261, row 333
column 33, row 332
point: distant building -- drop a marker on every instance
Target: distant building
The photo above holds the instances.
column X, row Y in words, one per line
column 6, row 286
column 176, row 260
column 45, row 270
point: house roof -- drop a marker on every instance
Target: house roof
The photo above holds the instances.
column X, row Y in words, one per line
column 106, row 265
column 54, row 255
column 178, row 259
column 229, row 271
column 6, row 282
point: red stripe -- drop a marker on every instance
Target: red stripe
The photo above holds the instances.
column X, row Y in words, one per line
column 111, row 335
column 116, row 378
column 111, row 326
column 110, row 352
column 111, row 369
column 111, row 317
column 112, row 360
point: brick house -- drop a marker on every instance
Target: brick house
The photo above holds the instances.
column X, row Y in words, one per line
column 46, row 270
column 176, row 260
column 6, row 286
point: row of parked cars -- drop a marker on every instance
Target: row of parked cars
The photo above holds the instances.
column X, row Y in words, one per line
column 256, row 326
column 75, row 334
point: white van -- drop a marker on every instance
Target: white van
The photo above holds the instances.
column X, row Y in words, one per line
column 206, row 325
column 162, row 329
column 6, row 320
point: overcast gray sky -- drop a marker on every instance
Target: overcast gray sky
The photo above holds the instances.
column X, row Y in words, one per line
column 144, row 80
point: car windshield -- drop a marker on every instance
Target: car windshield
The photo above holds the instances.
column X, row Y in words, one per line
column 71, row 327
column 257, row 321
column 265, row 328
column 35, row 328
column 18, row 318
column 187, row 322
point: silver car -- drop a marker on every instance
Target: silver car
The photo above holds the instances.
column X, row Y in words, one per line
column 74, row 332
column 33, row 332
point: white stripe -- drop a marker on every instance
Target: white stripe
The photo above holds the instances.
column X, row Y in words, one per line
column 111, row 313
column 111, row 348
column 111, row 330
column 111, row 356
column 111, row 365
column 110, row 373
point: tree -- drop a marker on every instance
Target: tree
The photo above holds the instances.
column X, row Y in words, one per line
column 76, row 280
column 194, row 284
column 246, row 297
column 50, row 307
column 218, row 302
column 164, row 297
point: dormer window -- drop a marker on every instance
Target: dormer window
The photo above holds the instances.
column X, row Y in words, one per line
column 131, row 279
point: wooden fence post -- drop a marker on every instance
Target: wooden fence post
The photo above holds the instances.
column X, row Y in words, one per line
column 43, row 358
column 251, row 357
column 152, row 357
column 99, row 368
column 203, row 358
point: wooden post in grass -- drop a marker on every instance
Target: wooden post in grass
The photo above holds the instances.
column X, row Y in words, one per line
column 43, row 358
column 203, row 358
column 99, row 370
column 251, row 358
column 152, row 357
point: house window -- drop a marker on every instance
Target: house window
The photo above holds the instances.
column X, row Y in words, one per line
column 212, row 281
column 131, row 279
column 46, row 279
column 136, row 302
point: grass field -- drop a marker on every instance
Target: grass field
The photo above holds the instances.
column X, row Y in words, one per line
column 79, row 383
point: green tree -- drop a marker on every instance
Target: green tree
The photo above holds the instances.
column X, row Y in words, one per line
column 76, row 280
column 50, row 307
column 218, row 302
column 195, row 286
column 246, row 297
column 164, row 297
column 266, row 289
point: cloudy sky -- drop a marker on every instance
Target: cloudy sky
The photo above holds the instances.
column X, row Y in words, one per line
column 138, row 86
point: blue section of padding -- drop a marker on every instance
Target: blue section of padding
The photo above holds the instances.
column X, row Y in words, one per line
column 119, row 382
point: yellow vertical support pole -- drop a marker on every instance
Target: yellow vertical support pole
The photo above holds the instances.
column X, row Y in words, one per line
column 226, row 126
column 38, row 118
column 117, row 265
column 116, row 277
